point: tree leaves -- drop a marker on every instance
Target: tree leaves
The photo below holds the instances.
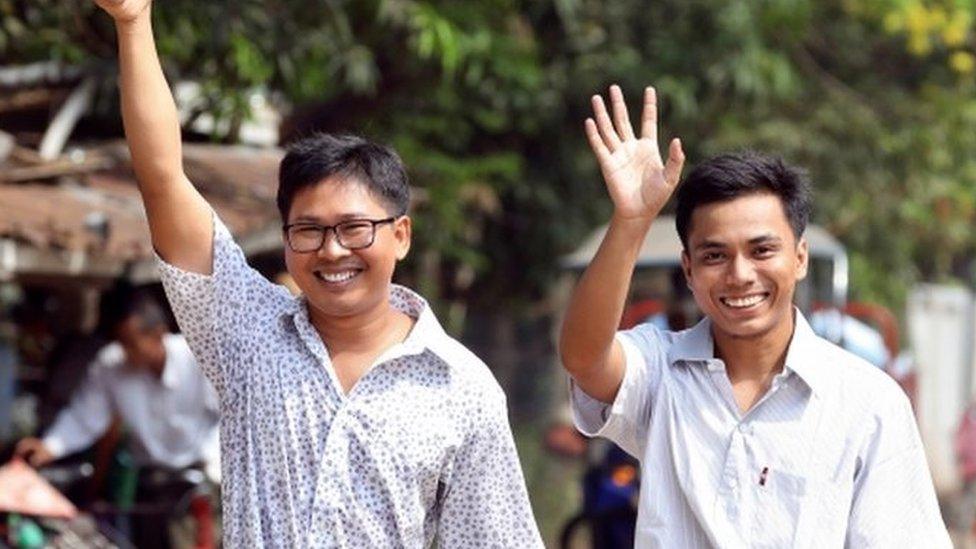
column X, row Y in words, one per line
column 485, row 101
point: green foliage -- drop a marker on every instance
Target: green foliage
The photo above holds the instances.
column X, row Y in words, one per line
column 485, row 102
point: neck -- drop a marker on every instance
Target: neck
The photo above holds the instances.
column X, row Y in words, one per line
column 756, row 358
column 360, row 332
column 156, row 368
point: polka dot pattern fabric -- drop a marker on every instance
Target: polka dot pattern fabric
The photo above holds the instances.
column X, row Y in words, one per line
column 418, row 453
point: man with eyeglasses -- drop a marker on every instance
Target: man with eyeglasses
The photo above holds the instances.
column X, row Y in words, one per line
column 349, row 418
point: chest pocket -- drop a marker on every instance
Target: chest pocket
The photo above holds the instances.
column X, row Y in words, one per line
column 780, row 502
column 797, row 511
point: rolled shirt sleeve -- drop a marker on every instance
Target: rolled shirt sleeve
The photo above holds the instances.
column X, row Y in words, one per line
column 624, row 421
column 217, row 312
column 87, row 416
column 486, row 503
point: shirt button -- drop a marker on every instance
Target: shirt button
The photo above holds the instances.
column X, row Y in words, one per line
column 744, row 428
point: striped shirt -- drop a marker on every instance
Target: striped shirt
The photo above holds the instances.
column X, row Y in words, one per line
column 830, row 456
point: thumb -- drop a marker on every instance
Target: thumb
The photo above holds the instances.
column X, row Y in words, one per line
column 676, row 160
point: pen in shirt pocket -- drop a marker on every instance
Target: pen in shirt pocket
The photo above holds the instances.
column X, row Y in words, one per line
column 763, row 476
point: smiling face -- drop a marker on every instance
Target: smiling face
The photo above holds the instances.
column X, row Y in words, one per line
column 742, row 263
column 337, row 282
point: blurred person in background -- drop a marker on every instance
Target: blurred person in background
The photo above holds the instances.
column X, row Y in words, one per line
column 148, row 378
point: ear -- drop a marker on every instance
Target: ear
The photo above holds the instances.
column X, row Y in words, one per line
column 402, row 231
column 802, row 259
column 686, row 266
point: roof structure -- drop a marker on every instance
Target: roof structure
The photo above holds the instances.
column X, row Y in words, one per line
column 73, row 212
column 80, row 215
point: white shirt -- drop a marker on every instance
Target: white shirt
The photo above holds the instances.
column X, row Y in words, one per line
column 171, row 420
column 419, row 449
column 829, row 457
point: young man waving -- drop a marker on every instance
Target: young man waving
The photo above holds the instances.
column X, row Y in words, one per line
column 751, row 430
column 348, row 417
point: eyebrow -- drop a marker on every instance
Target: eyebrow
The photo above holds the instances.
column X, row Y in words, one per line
column 716, row 245
column 709, row 245
column 765, row 239
column 341, row 218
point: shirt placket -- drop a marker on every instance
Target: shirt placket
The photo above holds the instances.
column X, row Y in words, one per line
column 735, row 499
column 334, row 472
column 752, row 474
column 332, row 475
column 728, row 505
column 326, row 498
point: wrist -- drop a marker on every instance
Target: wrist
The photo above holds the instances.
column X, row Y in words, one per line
column 628, row 232
column 639, row 223
column 138, row 24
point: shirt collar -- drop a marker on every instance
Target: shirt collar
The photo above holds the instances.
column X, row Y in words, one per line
column 696, row 345
column 693, row 345
column 425, row 333
column 803, row 356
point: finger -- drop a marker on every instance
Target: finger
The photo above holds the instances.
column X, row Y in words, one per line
column 37, row 460
column 620, row 116
column 596, row 142
column 676, row 160
column 21, row 448
column 649, row 114
column 609, row 135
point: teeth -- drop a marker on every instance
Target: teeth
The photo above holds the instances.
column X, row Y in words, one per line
column 337, row 277
column 743, row 302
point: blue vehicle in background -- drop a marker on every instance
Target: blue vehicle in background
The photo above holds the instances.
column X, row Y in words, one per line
column 609, row 514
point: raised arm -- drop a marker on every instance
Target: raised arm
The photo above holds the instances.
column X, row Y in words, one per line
column 639, row 184
column 179, row 218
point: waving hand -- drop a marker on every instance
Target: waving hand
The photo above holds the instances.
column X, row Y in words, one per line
column 638, row 181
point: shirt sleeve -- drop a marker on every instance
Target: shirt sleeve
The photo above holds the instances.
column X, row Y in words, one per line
column 486, row 503
column 626, row 420
column 217, row 312
column 894, row 502
column 85, row 419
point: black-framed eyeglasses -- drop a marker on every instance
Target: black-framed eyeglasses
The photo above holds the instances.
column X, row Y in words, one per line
column 355, row 234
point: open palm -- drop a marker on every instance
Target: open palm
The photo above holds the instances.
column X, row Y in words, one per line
column 639, row 182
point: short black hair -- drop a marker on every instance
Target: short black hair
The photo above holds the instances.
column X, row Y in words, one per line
column 321, row 155
column 729, row 176
column 124, row 302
